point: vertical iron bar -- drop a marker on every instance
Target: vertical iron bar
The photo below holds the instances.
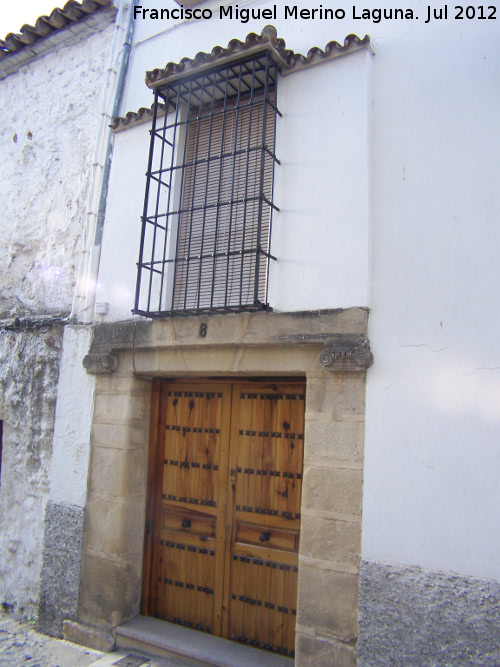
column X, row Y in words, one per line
column 193, row 196
column 235, row 148
column 145, row 207
column 261, row 186
column 245, row 205
column 273, row 165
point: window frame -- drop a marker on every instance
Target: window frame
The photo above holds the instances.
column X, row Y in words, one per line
column 220, row 90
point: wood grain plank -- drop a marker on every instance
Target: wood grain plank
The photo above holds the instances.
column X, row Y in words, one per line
column 152, row 556
column 222, row 418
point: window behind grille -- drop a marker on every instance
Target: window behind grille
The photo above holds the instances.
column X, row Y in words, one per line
column 207, row 217
column 218, row 230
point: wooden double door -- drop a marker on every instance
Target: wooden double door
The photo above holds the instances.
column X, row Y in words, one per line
column 224, row 511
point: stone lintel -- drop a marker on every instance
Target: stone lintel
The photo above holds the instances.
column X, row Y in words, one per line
column 232, row 329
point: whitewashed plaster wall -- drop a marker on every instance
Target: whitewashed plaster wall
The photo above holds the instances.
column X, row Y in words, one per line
column 433, row 396
column 433, row 393
column 122, row 228
column 50, row 114
column 321, row 234
column 73, row 420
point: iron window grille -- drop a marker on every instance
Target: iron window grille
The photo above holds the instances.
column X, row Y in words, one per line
column 207, row 218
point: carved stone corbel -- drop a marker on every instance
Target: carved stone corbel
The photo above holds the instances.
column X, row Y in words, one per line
column 96, row 364
column 347, row 353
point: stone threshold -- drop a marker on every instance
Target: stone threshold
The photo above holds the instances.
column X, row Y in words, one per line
column 161, row 638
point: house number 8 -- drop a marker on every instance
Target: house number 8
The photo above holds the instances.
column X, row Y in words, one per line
column 203, row 330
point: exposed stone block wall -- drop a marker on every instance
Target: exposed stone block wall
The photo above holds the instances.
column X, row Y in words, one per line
column 416, row 618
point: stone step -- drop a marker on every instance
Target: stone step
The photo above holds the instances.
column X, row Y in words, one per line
column 167, row 640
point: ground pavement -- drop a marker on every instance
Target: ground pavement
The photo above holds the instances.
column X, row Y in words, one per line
column 22, row 646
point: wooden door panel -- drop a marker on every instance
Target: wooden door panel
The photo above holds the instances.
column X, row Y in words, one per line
column 263, row 603
column 187, row 521
column 263, row 553
column 192, row 446
column 191, row 531
column 267, row 459
column 274, row 538
column 186, row 588
column 267, row 434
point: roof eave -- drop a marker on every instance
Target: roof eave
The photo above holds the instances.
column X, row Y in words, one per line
column 94, row 21
column 286, row 60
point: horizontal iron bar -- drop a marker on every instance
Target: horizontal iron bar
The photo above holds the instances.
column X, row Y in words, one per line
column 271, row 154
column 222, row 156
column 148, row 266
column 153, row 221
column 216, row 205
column 270, row 203
column 158, row 135
column 209, row 255
column 217, row 112
column 202, row 311
column 158, row 180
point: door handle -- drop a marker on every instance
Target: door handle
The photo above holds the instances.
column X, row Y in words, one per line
column 186, row 523
column 264, row 537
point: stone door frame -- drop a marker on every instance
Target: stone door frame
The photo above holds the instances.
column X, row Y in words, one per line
column 331, row 351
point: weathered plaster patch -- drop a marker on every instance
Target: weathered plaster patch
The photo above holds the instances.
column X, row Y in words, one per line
column 29, row 371
column 413, row 618
column 60, row 576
